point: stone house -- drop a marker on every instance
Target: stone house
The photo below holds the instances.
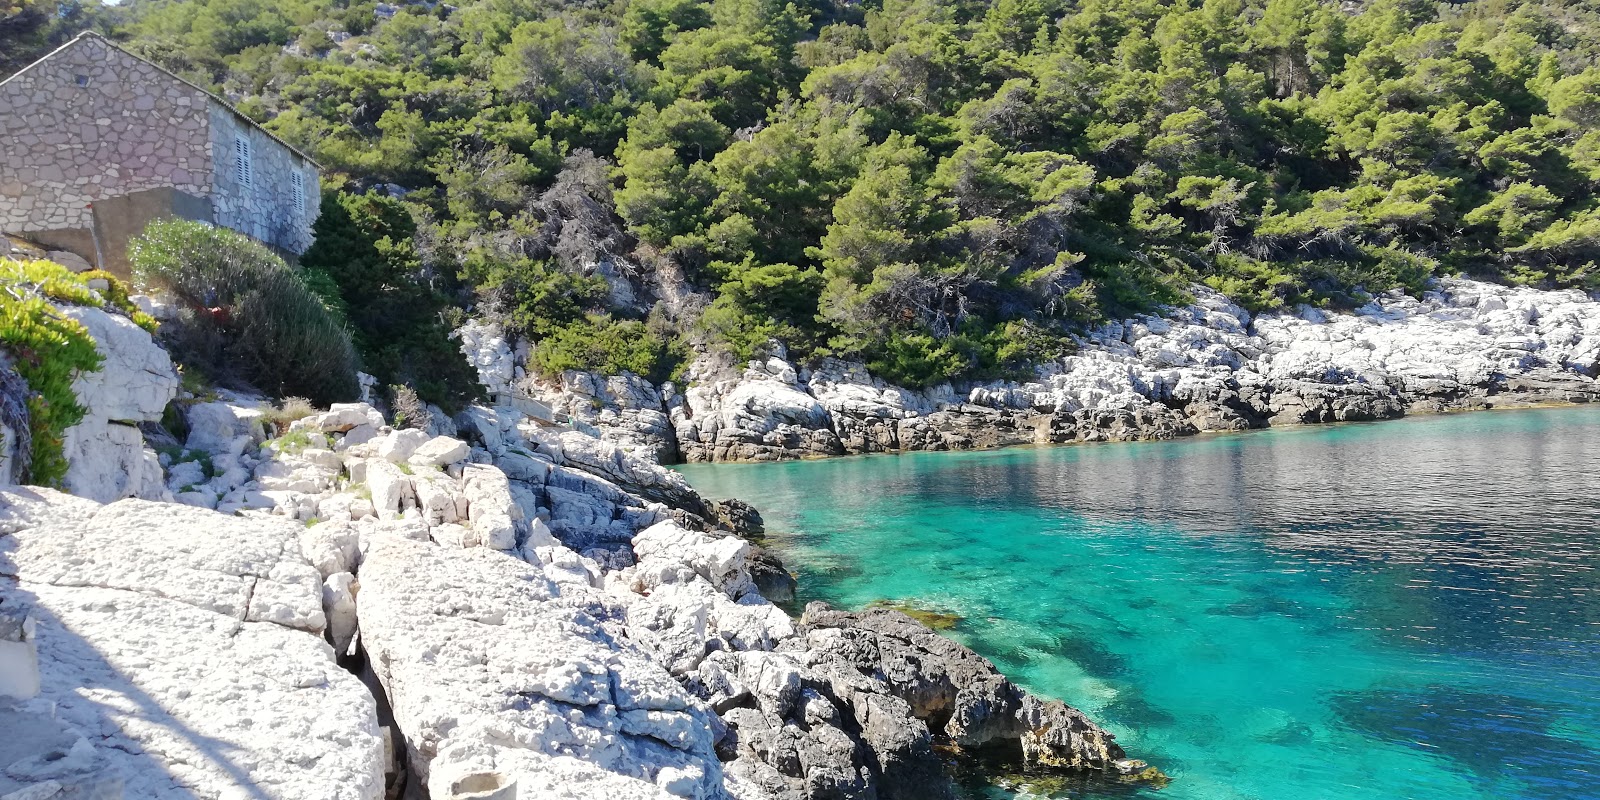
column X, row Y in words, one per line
column 96, row 142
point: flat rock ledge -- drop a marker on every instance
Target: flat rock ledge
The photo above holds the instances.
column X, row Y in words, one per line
column 179, row 654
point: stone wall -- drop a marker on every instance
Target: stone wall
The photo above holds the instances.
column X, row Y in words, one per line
column 266, row 208
column 93, row 122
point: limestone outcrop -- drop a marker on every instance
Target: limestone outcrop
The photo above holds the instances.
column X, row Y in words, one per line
column 530, row 609
column 502, row 672
column 106, row 452
column 627, row 407
column 1206, row 366
column 488, row 351
column 547, row 611
column 180, row 653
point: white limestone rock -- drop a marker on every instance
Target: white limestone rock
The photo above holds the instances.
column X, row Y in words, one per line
column 1209, row 365
column 436, row 495
column 136, row 380
column 398, row 446
column 627, row 410
column 339, row 604
column 340, row 417
column 667, row 548
column 440, row 451
column 765, row 413
column 186, row 646
column 389, row 486
column 106, row 454
column 214, row 426
column 491, row 509
column 484, row 426
column 110, row 460
column 493, row 668
column 488, row 351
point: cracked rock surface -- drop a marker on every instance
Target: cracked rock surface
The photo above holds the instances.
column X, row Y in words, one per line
column 187, row 648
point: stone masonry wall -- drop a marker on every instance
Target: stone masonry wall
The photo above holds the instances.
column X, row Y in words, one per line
column 93, row 122
column 266, row 209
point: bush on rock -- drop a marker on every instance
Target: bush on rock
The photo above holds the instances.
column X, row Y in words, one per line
column 245, row 313
column 49, row 350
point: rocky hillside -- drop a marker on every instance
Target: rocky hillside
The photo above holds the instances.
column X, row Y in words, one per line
column 1207, row 366
column 336, row 608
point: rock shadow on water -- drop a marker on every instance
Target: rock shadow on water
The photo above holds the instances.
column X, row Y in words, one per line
column 1014, row 647
column 1259, row 602
column 1494, row 737
column 1130, row 710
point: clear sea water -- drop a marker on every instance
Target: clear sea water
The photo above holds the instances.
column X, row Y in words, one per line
column 1405, row 610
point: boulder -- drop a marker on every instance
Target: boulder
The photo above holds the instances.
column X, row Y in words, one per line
column 942, row 681
column 340, row 417
column 106, row 453
column 110, row 460
column 390, row 488
column 482, row 425
column 398, row 446
column 70, row 260
column 491, row 509
column 214, row 426
column 440, row 451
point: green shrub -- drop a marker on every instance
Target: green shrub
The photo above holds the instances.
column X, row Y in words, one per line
column 365, row 264
column 244, row 311
column 916, row 359
column 608, row 346
column 48, row 350
column 296, row 442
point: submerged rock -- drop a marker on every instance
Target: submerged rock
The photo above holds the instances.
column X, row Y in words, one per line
column 957, row 692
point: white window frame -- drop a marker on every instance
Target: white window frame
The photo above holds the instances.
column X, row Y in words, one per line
column 244, row 172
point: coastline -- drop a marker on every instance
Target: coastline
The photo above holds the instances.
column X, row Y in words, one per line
column 1527, row 405
column 492, row 602
column 1117, row 540
column 404, row 549
column 1207, row 367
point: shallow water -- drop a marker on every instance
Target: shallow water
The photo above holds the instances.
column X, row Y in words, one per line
column 1406, row 610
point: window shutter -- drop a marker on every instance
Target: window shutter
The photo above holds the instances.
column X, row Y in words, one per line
column 297, row 192
column 243, row 168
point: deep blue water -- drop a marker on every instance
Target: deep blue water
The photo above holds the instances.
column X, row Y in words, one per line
column 1406, row 610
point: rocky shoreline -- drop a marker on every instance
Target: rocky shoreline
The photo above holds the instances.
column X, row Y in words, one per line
column 1208, row 366
column 506, row 604
column 494, row 607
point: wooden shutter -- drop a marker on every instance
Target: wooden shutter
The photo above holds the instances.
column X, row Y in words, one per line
column 243, row 166
column 297, row 192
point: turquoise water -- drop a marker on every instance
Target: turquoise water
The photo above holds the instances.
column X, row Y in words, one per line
column 1405, row 610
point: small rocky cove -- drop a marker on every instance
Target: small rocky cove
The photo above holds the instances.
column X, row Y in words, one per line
column 514, row 603
column 491, row 607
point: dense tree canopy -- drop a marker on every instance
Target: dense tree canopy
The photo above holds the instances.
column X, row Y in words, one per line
column 940, row 187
